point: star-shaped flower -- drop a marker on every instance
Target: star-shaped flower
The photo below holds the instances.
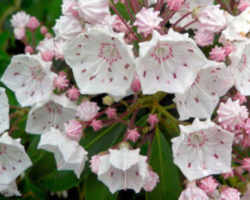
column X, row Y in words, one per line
column 69, row 155
column 202, row 149
column 169, row 63
column 122, row 169
column 13, row 159
column 30, row 78
column 101, row 62
column 53, row 112
column 9, row 190
column 200, row 100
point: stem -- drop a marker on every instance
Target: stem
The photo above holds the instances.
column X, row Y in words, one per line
column 123, row 21
column 188, row 24
column 167, row 18
column 180, row 19
column 146, row 4
column 135, row 5
column 159, row 4
column 167, row 114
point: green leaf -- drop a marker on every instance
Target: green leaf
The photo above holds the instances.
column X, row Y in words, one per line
column 169, row 187
column 96, row 142
column 96, row 190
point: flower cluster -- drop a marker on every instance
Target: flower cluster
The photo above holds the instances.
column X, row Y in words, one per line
column 101, row 68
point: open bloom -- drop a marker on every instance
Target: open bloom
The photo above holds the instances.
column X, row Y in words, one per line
column 202, row 149
column 101, row 62
column 9, row 190
column 122, row 169
column 203, row 96
column 14, row 159
column 87, row 110
column 169, row 63
column 52, row 112
column 69, row 155
column 33, row 79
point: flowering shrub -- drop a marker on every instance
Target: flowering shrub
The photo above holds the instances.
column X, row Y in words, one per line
column 141, row 98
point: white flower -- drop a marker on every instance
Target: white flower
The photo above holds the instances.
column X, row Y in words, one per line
column 240, row 67
column 169, row 63
column 202, row 149
column 13, row 159
column 93, row 11
column 123, row 169
column 9, row 190
column 30, row 78
column 4, row 110
column 53, row 112
column 69, row 155
column 238, row 27
column 67, row 27
column 20, row 20
column 101, row 62
column 200, row 100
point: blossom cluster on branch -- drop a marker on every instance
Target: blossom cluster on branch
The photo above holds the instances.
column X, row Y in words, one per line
column 124, row 62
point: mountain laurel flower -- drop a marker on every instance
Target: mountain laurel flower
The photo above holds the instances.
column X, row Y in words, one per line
column 111, row 113
column 19, row 33
column 33, row 23
column 147, row 20
column 151, row 181
column 20, row 20
column 136, row 84
column 232, row 115
column 230, row 194
column 153, row 120
column 175, row 5
column 238, row 96
column 96, row 124
column 192, row 192
column 208, row 184
column 204, row 38
column 203, row 149
column 243, row 5
column 132, row 135
column 61, row 82
column 218, row 54
column 246, row 164
column 95, row 163
column 87, row 110
column 73, row 93
column 74, row 129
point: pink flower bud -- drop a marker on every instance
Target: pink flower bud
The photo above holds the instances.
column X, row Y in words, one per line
column 33, row 23
column 74, row 129
column 73, row 93
column 208, row 184
column 29, row 49
column 152, row 120
column 151, row 181
column 243, row 5
column 96, row 124
column 246, row 164
column 61, row 82
column 111, row 113
column 242, row 99
column 230, row 194
column 95, row 163
column 47, row 56
column 218, row 54
column 133, row 135
column 19, row 33
column 44, row 30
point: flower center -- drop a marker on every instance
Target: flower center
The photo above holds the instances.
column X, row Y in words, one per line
column 197, row 139
column 109, row 52
column 162, row 52
column 37, row 73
